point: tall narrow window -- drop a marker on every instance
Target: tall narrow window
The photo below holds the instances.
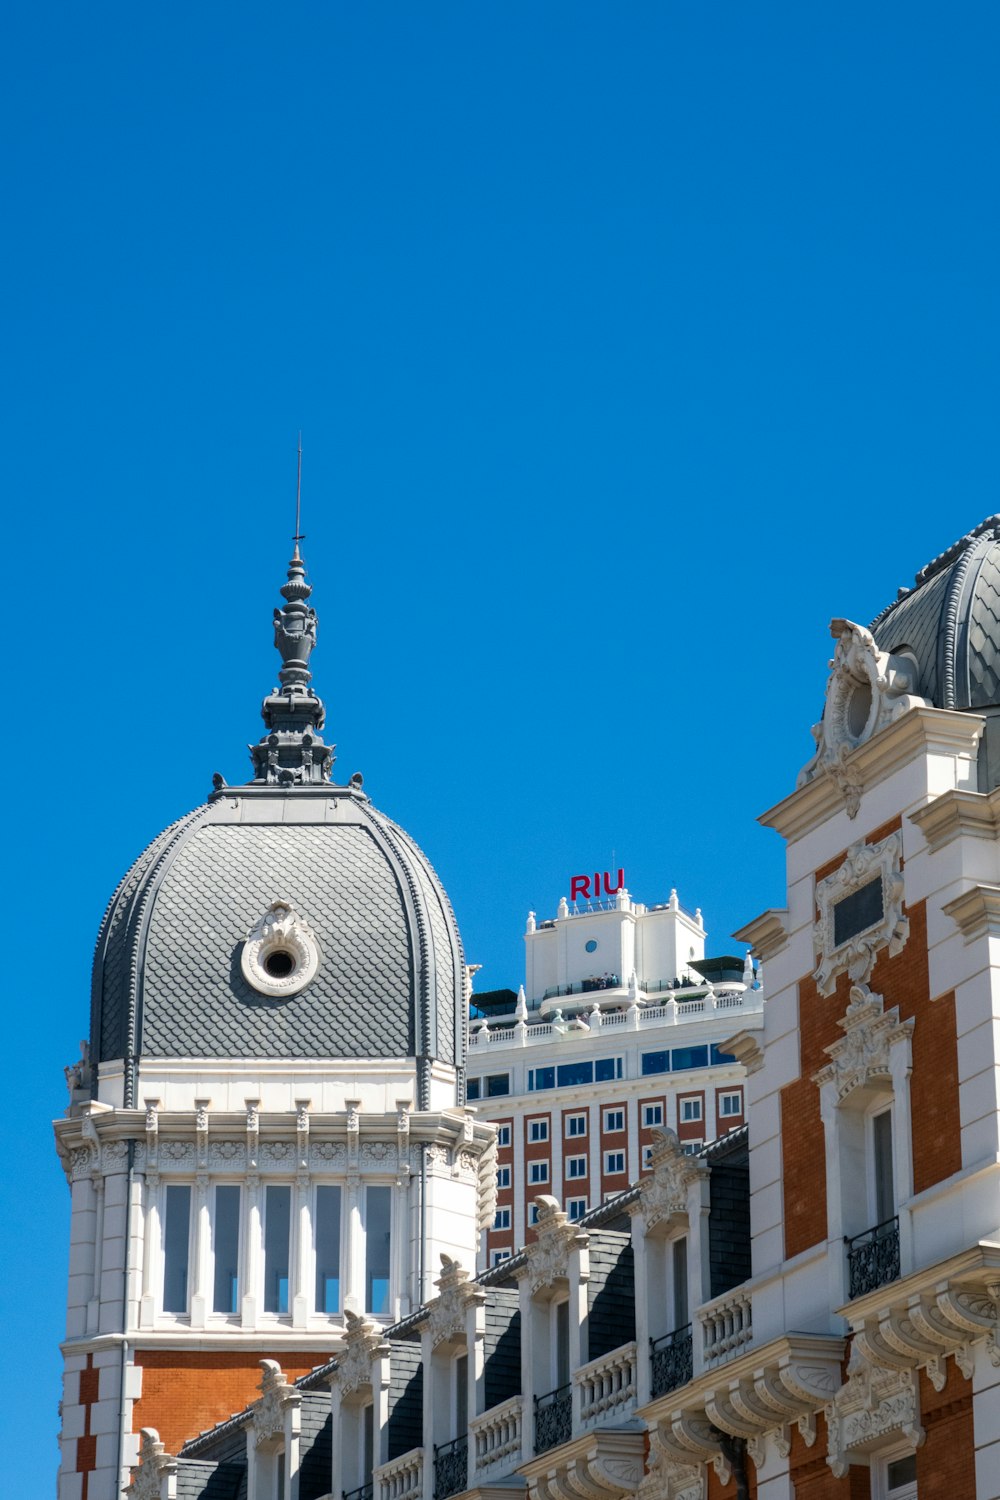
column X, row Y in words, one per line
column 461, row 1395
column 679, row 1272
column 377, row 1257
column 328, row 1249
column 176, row 1249
column 368, row 1439
column 226, row 1250
column 562, row 1343
column 885, row 1194
column 277, row 1224
column 279, row 1477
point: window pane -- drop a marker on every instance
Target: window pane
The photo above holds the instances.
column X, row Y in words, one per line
column 606, row 1068
column 885, row 1205
column 688, row 1057
column 902, row 1471
column 562, row 1344
column 461, row 1395
column 472, row 1088
column 328, row 1249
column 575, row 1073
column 377, row 1209
column 369, row 1455
column 226, row 1250
column 860, row 910
column 679, row 1268
column 498, row 1084
column 541, row 1078
column 176, row 1249
column 655, row 1062
column 277, row 1223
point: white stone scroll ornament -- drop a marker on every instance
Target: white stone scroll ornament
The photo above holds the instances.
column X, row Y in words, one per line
column 863, row 863
column 364, row 1343
column 664, row 1193
column 276, row 1392
column 867, row 690
column 155, row 1465
column 447, row 1317
column 547, row 1260
column 281, row 954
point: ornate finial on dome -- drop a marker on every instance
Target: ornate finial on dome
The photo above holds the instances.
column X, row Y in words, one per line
column 293, row 753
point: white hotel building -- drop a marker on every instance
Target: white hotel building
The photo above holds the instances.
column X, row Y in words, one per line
column 617, row 1032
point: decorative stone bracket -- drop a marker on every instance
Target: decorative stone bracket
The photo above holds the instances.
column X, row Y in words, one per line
column 447, row 1318
column 664, row 1192
column 156, row 1476
column 365, row 1344
column 862, row 1054
column 277, row 1397
column 547, row 1260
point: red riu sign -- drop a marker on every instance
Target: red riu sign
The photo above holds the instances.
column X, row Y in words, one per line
column 589, row 886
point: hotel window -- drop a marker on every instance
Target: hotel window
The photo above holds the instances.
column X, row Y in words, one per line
column 541, row 1078
column 647, row 1153
column 501, row 1219
column 731, row 1104
column 538, row 1171
column 498, row 1256
column 503, row 1177
column 576, row 1125
column 472, row 1089
column 571, row 1075
column 277, row 1235
column 690, row 1110
column 575, row 1209
column 226, row 1250
column 538, row 1130
column 378, row 1229
column 327, row 1235
column 576, row 1166
column 614, row 1162
column 691, row 1148
column 176, row 1248
column 683, row 1058
column 503, row 1135
column 614, row 1120
column 607, row 1068
column 655, row 1062
column 652, row 1114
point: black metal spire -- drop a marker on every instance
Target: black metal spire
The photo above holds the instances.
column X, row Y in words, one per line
column 292, row 753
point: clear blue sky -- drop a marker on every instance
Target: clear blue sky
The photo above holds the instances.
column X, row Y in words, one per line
column 629, row 343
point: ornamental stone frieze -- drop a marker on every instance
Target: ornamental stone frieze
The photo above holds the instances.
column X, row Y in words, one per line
column 867, row 690
column 923, row 1329
column 546, row 1261
column 873, row 1403
column 863, row 865
column 663, row 1194
column 862, row 1055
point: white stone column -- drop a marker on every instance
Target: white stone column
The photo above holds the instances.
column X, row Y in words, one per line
column 354, row 1247
column 94, row 1301
column 774, row 1480
column 201, row 1297
column 529, row 1388
column 578, row 1313
column 643, row 1373
column 303, row 1251
column 252, row 1241
column 431, row 1415
column 986, row 1422
column 901, row 1066
column 152, row 1252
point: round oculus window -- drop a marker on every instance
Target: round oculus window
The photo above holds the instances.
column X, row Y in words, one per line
column 591, row 945
column 281, row 953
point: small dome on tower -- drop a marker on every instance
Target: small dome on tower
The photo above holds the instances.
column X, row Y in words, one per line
column 287, row 918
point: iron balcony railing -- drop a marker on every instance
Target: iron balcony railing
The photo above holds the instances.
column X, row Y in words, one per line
column 873, row 1258
column 671, row 1360
column 451, row 1467
column 553, row 1418
column 363, row 1492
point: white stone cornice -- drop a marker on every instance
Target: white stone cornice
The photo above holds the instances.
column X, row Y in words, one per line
column 958, row 813
column 746, row 1049
column 919, row 732
column 766, row 934
column 976, row 912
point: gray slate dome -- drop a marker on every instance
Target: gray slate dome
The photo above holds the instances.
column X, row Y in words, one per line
column 950, row 622
column 169, row 980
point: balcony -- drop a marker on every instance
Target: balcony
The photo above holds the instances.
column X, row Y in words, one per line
column 675, row 1011
column 553, row 1418
column 873, row 1258
column 451, row 1467
column 402, row 1479
column 496, row 1441
column 607, row 1387
column 726, row 1326
column 671, row 1360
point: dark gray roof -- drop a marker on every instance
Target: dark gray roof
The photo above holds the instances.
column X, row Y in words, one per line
column 167, row 976
column 950, row 621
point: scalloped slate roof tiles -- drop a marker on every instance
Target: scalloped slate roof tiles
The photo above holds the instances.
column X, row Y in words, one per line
column 196, row 1001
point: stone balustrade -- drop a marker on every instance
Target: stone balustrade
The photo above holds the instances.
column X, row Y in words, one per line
column 496, row 1439
column 727, row 1326
column 402, row 1479
column 607, row 1386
